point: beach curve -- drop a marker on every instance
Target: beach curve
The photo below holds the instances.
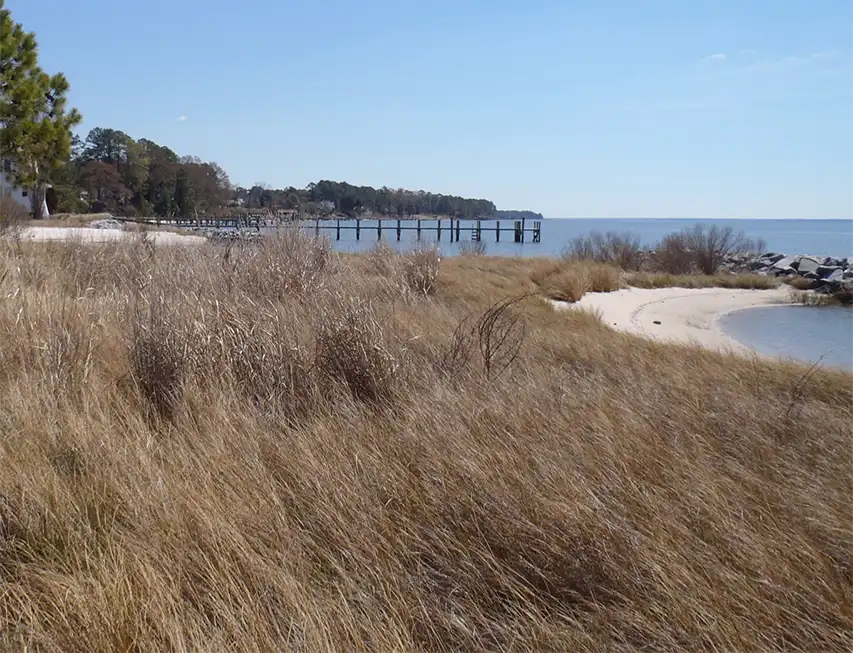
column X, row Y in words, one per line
column 684, row 315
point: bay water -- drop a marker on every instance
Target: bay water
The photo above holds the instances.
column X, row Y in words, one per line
column 809, row 334
column 815, row 237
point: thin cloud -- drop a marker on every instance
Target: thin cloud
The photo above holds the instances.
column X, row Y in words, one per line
column 182, row 118
column 719, row 56
column 791, row 63
column 823, row 56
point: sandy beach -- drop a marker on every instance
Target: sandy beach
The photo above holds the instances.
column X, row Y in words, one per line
column 677, row 314
column 104, row 235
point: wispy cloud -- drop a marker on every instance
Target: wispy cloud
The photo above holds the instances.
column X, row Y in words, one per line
column 791, row 62
column 182, row 118
column 718, row 56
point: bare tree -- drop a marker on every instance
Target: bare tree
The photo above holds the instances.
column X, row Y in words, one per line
column 711, row 245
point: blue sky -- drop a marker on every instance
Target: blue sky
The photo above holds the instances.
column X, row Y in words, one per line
column 610, row 108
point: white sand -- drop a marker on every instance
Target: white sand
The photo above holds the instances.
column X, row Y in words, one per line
column 685, row 315
column 104, row 235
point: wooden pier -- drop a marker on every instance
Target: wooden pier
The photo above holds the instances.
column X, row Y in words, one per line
column 448, row 229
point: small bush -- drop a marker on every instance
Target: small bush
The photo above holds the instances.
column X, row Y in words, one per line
column 420, row 270
column 622, row 250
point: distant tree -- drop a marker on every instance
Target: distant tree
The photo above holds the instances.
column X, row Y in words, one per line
column 105, row 186
column 106, row 145
column 184, row 193
column 35, row 127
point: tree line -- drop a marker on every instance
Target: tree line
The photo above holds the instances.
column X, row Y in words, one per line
column 327, row 197
column 112, row 172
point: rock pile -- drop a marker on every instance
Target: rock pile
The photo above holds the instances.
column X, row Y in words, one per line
column 229, row 235
column 829, row 274
column 107, row 224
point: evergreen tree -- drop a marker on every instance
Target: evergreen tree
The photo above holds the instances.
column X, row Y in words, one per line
column 35, row 128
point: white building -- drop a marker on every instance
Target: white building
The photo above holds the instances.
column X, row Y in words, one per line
column 8, row 188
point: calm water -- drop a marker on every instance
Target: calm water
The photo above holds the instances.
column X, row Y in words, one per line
column 818, row 237
column 801, row 332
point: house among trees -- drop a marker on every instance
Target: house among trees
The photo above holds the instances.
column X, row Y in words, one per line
column 9, row 189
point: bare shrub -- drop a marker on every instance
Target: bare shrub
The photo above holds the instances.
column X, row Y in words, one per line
column 620, row 249
column 472, row 248
column 711, row 245
column 703, row 248
column 500, row 334
column 420, row 270
column 674, row 255
column 459, row 350
column 351, row 348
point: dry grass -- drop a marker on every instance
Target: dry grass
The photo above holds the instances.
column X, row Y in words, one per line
column 801, row 283
column 69, row 220
column 13, row 217
column 210, row 449
column 663, row 280
column 568, row 280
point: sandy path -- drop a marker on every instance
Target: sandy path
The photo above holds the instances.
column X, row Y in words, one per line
column 677, row 314
column 104, row 235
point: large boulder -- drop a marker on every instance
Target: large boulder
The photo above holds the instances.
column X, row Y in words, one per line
column 825, row 270
column 773, row 258
column 807, row 264
column 783, row 263
column 837, row 276
column 814, row 276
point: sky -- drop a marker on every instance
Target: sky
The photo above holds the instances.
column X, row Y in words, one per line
column 571, row 108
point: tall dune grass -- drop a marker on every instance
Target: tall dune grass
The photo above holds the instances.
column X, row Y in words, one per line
column 276, row 447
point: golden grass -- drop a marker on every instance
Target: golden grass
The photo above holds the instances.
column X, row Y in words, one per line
column 664, row 280
column 279, row 448
column 567, row 280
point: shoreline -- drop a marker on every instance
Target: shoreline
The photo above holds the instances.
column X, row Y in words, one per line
column 94, row 235
column 680, row 315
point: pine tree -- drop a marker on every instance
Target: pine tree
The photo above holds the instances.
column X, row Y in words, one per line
column 35, row 128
